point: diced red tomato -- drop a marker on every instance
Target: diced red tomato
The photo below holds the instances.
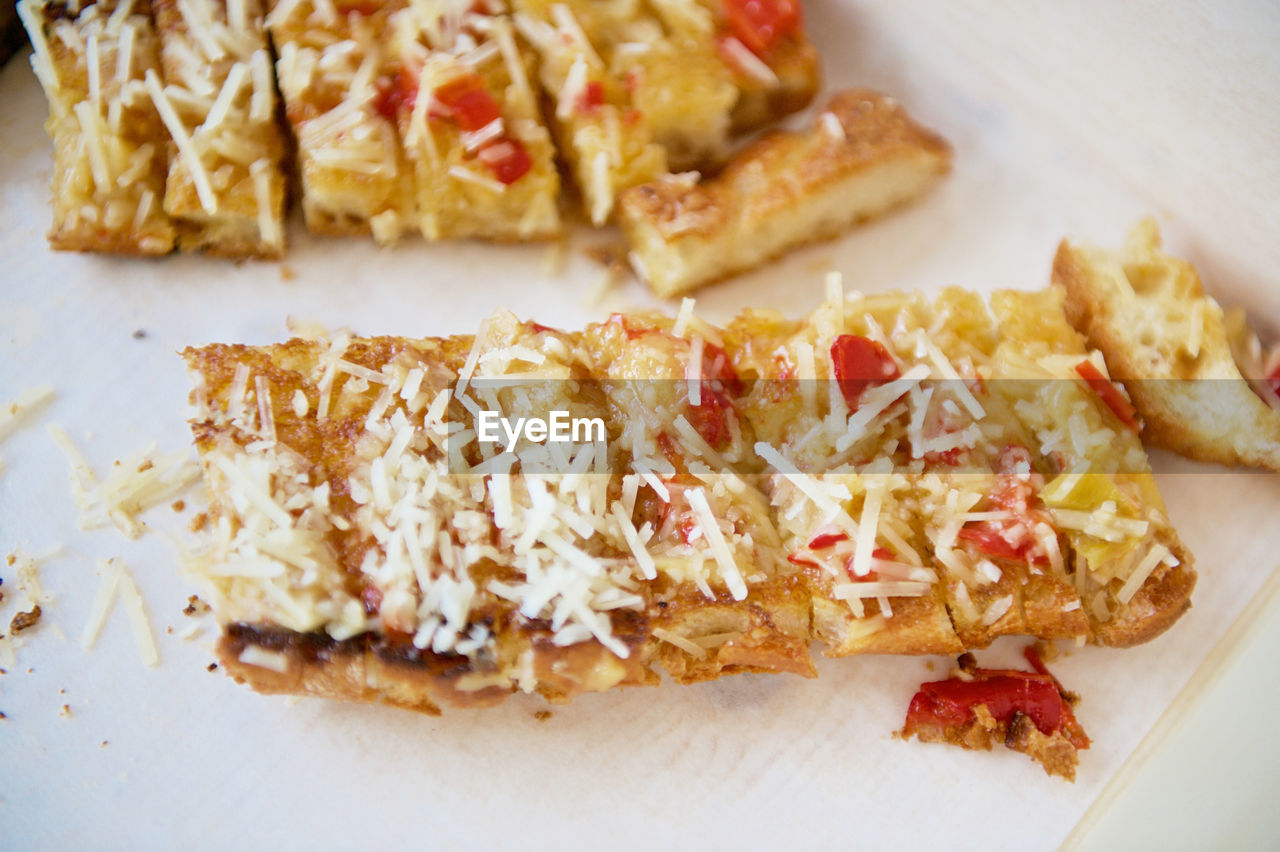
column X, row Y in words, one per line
column 709, row 418
column 951, row 702
column 951, row 458
column 798, row 558
column 507, row 159
column 539, row 328
column 396, row 94
column 861, row 363
column 592, row 97
column 988, row 539
column 719, row 382
column 1110, row 394
column 761, row 24
column 465, row 100
column 824, row 540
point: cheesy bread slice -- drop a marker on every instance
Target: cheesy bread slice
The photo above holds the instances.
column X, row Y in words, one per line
column 92, row 59
column 334, row 73
column 464, row 101
column 862, row 157
column 226, row 185
column 892, row 474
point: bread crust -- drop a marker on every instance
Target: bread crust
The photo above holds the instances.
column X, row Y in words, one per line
column 1197, row 404
column 862, row 157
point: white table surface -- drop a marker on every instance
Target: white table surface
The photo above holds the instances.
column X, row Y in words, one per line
column 1067, row 119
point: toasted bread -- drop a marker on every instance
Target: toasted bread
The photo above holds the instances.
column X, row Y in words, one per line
column 481, row 159
column 862, row 157
column 745, row 501
column 1167, row 341
column 354, row 177
column 226, row 183
column 108, row 142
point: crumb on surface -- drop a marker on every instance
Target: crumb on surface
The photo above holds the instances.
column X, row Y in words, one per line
column 25, row 620
column 212, row 667
column 178, row 505
column 65, row 712
column 198, row 522
column 287, row 272
column 195, row 606
column 140, row 334
column 104, row 744
column 543, row 715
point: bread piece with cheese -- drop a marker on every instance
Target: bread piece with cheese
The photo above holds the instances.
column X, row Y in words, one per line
column 1133, row 574
column 606, row 144
column 108, row 142
column 333, row 71
column 464, row 101
column 1168, row 342
column 724, row 599
column 846, row 478
column 862, row 157
column 226, row 184
column 775, row 67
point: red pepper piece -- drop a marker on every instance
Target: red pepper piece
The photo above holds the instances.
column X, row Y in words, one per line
column 465, row 100
column 396, row 94
column 861, row 363
column 507, row 159
column 1110, row 394
column 951, row 702
column 761, row 24
column 592, row 97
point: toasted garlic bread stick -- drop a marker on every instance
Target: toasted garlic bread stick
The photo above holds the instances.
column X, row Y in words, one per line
column 108, row 142
column 331, row 57
column 226, row 183
column 1174, row 350
column 863, row 489
column 861, row 158
column 462, row 98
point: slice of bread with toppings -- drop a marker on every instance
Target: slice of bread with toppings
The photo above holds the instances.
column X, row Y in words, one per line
column 862, row 157
column 1168, row 342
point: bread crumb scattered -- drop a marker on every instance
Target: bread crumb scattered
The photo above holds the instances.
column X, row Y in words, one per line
column 25, row 620
column 199, row 522
column 140, row 334
column 212, row 667
column 179, row 505
column 65, row 712
column 287, row 272
column 543, row 715
column 195, row 607
column 104, row 744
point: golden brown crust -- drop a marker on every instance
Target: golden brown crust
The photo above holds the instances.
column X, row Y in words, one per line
column 783, row 191
column 983, row 732
column 798, row 67
column 1196, row 404
column 93, row 209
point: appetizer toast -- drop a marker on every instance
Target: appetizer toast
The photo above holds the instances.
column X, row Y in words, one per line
column 109, row 145
column 891, row 475
column 226, row 184
column 1179, row 356
column 403, row 116
column 861, row 157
